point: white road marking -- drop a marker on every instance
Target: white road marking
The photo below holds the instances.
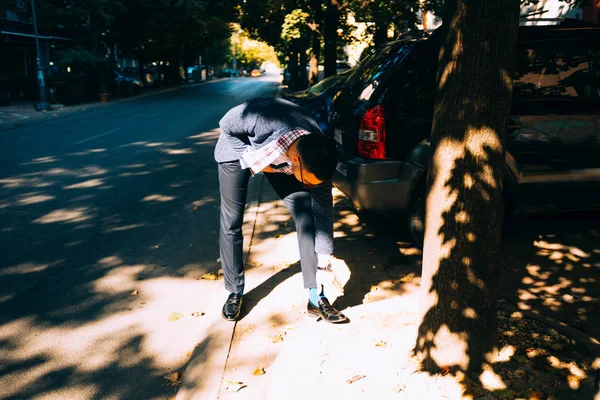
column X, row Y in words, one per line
column 97, row 136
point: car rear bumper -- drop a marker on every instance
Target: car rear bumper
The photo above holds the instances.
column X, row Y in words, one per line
column 377, row 185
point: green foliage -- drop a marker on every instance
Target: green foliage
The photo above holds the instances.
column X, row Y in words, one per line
column 249, row 52
column 401, row 14
column 295, row 25
column 79, row 58
column 176, row 30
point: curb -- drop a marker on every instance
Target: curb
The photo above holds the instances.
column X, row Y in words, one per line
column 211, row 390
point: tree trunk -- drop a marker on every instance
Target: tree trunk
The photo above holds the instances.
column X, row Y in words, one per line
column 303, row 75
column 380, row 36
column 331, row 25
column 464, row 202
column 313, row 75
column 293, row 69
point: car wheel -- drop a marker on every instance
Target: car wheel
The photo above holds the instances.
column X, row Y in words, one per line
column 416, row 214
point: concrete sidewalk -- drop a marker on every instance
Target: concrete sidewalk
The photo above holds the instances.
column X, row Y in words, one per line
column 276, row 352
column 275, row 301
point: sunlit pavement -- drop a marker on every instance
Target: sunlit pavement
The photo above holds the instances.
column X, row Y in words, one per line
column 108, row 220
column 277, row 352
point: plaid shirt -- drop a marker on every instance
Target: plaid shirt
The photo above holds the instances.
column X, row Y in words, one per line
column 258, row 159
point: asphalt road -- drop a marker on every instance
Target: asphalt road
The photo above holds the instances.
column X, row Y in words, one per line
column 107, row 220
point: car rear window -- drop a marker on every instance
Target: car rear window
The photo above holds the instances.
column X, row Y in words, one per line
column 367, row 77
column 560, row 71
column 326, row 84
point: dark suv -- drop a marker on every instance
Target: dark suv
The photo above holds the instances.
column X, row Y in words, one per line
column 381, row 121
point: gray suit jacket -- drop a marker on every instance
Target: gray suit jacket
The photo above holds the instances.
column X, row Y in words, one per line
column 258, row 122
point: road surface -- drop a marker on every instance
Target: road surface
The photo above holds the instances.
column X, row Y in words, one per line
column 107, row 220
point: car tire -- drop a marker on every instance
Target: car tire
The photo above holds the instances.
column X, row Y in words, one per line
column 416, row 214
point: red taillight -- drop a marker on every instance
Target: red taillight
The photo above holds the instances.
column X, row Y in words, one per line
column 371, row 134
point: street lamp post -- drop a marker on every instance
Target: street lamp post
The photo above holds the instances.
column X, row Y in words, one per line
column 42, row 105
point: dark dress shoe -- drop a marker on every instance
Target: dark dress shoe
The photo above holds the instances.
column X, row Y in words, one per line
column 232, row 307
column 325, row 311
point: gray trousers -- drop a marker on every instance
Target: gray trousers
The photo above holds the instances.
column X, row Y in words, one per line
column 233, row 185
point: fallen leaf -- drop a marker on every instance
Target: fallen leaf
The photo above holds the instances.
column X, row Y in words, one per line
column 211, row 276
column 234, row 386
column 536, row 396
column 173, row 378
column 381, row 343
column 174, row 316
column 189, row 353
column 405, row 279
column 373, row 288
column 277, row 338
column 516, row 315
column 259, row 371
column 198, row 314
column 410, row 251
column 278, row 236
column 156, row 246
column 135, row 293
column 195, row 207
column 445, row 370
column 399, row 388
column 355, row 378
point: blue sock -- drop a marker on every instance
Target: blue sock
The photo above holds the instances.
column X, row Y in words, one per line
column 313, row 296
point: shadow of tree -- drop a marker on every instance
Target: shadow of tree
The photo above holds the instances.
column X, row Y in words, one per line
column 555, row 259
column 104, row 240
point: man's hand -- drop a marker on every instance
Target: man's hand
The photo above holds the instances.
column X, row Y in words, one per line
column 269, row 170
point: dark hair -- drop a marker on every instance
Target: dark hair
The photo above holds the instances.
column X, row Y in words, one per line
column 317, row 153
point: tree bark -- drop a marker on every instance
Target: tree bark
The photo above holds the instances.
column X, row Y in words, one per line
column 303, row 75
column 464, row 203
column 293, row 69
column 331, row 25
column 313, row 75
column 380, row 36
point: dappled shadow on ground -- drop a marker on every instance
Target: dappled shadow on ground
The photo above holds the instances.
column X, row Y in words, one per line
column 94, row 243
column 381, row 261
column 555, row 260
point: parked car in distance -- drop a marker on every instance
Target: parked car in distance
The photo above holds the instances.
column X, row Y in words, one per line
column 255, row 73
column 127, row 85
column 317, row 98
column 151, row 76
column 381, row 122
column 225, row 73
